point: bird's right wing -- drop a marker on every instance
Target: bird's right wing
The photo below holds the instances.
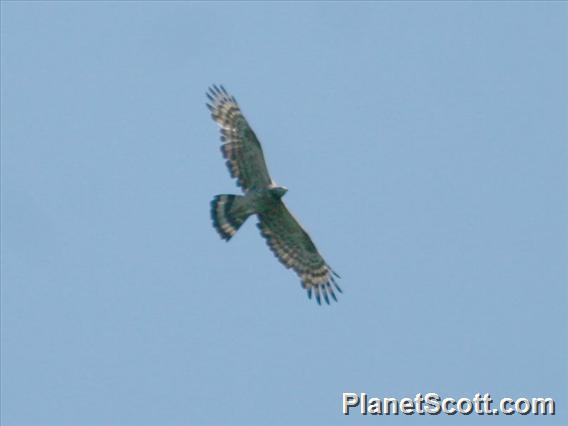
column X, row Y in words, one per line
column 295, row 249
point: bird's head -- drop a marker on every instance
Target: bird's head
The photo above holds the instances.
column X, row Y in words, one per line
column 279, row 191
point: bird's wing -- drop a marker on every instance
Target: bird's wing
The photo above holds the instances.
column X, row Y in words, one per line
column 295, row 249
column 241, row 147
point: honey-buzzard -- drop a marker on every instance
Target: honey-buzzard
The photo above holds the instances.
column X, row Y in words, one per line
column 263, row 197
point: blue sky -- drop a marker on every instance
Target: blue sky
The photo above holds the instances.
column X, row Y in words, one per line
column 424, row 148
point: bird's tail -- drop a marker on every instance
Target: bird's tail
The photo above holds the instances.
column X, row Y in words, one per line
column 229, row 212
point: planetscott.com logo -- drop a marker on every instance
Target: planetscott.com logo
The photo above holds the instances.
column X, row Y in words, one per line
column 431, row 403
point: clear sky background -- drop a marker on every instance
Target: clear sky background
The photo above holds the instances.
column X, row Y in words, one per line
column 424, row 148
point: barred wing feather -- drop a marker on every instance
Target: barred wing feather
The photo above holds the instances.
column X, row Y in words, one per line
column 241, row 147
column 295, row 249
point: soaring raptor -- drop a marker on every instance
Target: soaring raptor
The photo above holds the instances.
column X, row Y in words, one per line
column 263, row 197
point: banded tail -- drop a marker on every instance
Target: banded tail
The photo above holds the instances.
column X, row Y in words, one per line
column 229, row 212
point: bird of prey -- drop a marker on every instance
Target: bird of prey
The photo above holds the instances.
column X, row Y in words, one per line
column 263, row 197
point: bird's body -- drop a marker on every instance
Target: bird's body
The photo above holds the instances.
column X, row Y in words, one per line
column 266, row 199
column 230, row 211
column 263, row 197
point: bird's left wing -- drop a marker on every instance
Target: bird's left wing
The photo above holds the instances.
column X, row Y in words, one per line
column 241, row 147
column 295, row 249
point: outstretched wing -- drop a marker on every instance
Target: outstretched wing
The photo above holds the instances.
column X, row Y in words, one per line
column 295, row 249
column 240, row 146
